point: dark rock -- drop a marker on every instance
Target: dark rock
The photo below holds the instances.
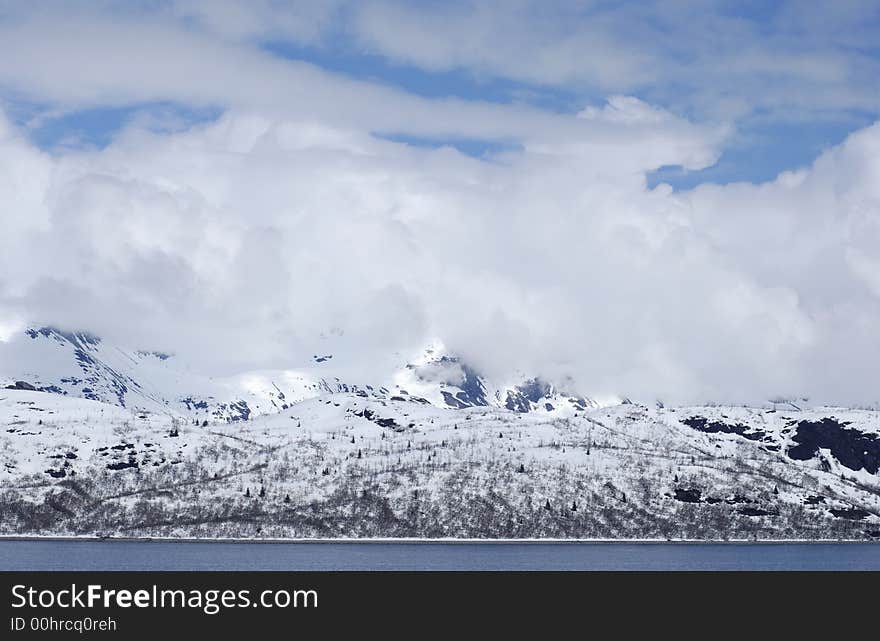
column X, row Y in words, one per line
column 520, row 398
column 688, row 496
column 122, row 465
column 850, row 513
column 702, row 424
column 851, row 447
column 22, row 385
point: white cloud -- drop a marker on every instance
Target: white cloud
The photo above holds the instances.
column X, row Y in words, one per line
column 547, row 44
column 97, row 61
column 765, row 61
column 237, row 244
column 240, row 242
column 712, row 60
column 301, row 20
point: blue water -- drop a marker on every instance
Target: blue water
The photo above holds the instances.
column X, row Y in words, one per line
column 164, row 555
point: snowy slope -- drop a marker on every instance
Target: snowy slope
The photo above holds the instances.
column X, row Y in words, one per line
column 82, row 365
column 342, row 464
column 98, row 438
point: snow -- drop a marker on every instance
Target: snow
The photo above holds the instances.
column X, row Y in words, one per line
column 317, row 457
column 621, row 458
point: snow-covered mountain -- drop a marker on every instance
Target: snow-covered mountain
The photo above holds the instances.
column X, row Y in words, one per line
column 97, row 439
column 83, row 365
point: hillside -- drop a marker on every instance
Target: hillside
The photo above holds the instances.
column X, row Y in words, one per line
column 346, row 465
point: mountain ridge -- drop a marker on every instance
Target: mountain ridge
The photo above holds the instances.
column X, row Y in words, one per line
column 99, row 439
column 84, row 365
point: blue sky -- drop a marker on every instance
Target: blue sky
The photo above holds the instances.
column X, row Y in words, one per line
column 764, row 152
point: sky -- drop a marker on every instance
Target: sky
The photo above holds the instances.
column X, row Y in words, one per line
column 671, row 200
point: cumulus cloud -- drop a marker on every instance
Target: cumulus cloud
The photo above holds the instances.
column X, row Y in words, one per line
column 237, row 244
column 245, row 242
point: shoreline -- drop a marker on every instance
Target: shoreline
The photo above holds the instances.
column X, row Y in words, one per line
column 424, row 541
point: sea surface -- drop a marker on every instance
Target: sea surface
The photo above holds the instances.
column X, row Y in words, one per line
column 199, row 555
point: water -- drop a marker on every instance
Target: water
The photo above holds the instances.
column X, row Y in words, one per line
column 168, row 555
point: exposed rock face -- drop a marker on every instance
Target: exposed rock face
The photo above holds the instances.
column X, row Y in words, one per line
column 22, row 385
column 715, row 427
column 850, row 447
